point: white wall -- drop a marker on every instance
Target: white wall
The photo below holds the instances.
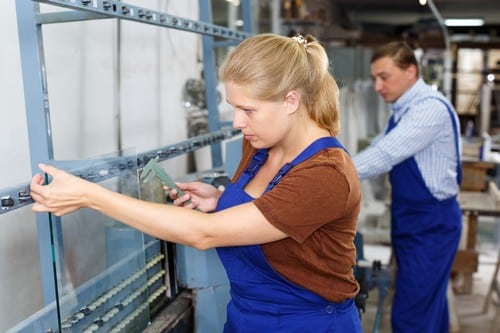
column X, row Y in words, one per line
column 81, row 63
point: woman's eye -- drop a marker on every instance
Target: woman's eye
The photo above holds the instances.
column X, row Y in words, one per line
column 245, row 110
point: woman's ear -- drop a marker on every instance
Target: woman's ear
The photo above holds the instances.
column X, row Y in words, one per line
column 292, row 101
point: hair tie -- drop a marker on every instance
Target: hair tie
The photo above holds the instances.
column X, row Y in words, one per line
column 301, row 40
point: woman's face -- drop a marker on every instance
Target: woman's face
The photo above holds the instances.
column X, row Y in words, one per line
column 263, row 123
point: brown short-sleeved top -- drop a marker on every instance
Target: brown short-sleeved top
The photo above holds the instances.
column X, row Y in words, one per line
column 317, row 204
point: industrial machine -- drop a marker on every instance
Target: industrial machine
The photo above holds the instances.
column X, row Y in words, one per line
column 371, row 275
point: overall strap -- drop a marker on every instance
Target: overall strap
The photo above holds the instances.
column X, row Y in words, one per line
column 391, row 125
column 457, row 149
column 456, row 132
column 258, row 159
column 312, row 149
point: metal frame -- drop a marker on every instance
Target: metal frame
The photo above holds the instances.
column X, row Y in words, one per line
column 30, row 22
column 16, row 197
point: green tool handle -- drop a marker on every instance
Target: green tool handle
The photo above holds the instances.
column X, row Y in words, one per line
column 166, row 180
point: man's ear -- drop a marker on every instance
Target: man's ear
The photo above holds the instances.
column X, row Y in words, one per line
column 292, row 101
column 412, row 71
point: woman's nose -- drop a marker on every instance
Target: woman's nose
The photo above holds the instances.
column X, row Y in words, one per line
column 238, row 122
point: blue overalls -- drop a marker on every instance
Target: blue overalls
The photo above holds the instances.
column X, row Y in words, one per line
column 261, row 299
column 425, row 234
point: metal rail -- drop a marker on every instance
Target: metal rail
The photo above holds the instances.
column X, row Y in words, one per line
column 16, row 197
column 121, row 10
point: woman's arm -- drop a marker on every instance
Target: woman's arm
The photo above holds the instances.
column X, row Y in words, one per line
column 240, row 225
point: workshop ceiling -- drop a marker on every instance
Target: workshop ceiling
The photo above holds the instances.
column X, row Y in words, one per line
column 374, row 21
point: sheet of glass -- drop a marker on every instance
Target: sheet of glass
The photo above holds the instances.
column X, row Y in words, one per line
column 101, row 266
column 108, row 277
column 21, row 293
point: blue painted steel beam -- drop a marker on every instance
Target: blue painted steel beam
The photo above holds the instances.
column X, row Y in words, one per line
column 18, row 196
column 68, row 16
column 210, row 71
column 210, row 77
column 125, row 11
column 39, row 131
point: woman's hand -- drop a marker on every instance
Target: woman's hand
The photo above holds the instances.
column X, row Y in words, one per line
column 204, row 197
column 65, row 193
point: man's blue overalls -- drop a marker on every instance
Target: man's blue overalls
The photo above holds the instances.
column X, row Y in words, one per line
column 261, row 299
column 425, row 234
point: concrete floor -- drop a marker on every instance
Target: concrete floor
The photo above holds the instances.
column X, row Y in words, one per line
column 467, row 308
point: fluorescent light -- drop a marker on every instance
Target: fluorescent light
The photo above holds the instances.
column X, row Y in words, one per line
column 469, row 22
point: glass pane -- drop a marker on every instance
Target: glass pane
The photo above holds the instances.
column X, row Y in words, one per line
column 20, row 274
column 101, row 265
column 107, row 277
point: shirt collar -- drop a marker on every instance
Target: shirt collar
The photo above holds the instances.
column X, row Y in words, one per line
column 400, row 105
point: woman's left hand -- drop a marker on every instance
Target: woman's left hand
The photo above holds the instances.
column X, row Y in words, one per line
column 202, row 196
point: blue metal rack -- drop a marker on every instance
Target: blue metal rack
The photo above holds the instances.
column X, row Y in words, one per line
column 30, row 22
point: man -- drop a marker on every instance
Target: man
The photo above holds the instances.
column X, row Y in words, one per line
column 420, row 149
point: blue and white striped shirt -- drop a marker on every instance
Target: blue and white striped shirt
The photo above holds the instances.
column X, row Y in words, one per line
column 425, row 132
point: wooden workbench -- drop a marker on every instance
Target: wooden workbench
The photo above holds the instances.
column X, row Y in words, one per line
column 473, row 205
column 475, row 174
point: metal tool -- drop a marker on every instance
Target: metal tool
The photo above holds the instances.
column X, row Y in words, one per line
column 152, row 170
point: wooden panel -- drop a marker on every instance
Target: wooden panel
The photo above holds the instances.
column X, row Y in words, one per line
column 475, row 176
column 466, row 261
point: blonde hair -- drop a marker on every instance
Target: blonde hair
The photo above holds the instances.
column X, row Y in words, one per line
column 272, row 65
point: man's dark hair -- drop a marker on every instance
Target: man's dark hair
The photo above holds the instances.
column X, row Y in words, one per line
column 402, row 54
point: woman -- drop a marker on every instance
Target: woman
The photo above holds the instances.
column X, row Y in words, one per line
column 284, row 228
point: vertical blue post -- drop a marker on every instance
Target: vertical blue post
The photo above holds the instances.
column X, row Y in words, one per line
column 210, row 77
column 210, row 71
column 246, row 12
column 39, row 131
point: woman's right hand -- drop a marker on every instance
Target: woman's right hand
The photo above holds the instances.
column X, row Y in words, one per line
column 203, row 196
column 65, row 193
